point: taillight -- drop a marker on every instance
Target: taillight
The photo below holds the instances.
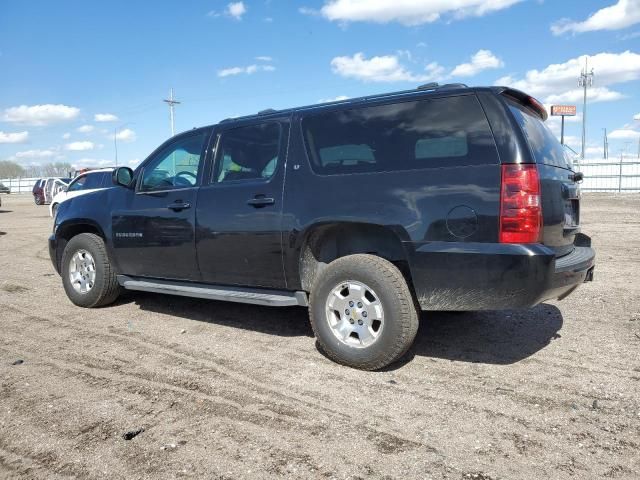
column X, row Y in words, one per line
column 520, row 204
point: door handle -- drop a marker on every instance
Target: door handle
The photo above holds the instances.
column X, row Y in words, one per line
column 177, row 206
column 260, row 201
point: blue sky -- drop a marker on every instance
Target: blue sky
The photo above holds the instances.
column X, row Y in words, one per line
column 65, row 62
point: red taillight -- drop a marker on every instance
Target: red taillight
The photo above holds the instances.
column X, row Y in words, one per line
column 520, row 204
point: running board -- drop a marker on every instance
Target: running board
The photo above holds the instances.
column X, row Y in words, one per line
column 257, row 296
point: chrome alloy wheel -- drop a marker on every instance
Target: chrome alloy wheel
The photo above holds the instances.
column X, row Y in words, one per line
column 82, row 271
column 355, row 314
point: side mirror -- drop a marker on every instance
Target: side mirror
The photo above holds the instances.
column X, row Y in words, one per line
column 122, row 176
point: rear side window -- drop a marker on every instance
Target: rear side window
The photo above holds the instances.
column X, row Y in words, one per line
column 248, row 153
column 543, row 143
column 93, row 180
column 439, row 132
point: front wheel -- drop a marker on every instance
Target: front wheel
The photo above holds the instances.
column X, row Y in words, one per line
column 54, row 210
column 88, row 278
column 362, row 312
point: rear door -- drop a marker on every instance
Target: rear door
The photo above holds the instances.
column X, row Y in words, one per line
column 239, row 214
column 560, row 192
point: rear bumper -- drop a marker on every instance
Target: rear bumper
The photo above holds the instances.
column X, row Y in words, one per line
column 483, row 276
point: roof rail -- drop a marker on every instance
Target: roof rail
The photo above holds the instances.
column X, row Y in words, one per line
column 267, row 111
column 428, row 86
column 453, row 85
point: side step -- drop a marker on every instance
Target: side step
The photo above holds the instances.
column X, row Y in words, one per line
column 257, row 296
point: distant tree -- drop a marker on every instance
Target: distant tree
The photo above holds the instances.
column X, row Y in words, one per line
column 57, row 169
column 10, row 169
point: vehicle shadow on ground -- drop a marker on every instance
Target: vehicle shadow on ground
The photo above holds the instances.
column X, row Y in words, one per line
column 283, row 321
column 493, row 337
column 6, row 211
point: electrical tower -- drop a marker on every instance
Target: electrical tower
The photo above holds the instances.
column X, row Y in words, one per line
column 585, row 80
column 171, row 102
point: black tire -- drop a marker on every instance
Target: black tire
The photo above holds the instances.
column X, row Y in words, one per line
column 37, row 199
column 54, row 210
column 105, row 289
column 400, row 312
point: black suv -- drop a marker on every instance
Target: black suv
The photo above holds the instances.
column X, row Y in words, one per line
column 366, row 211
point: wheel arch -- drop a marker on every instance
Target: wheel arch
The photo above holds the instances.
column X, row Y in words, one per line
column 324, row 242
column 67, row 230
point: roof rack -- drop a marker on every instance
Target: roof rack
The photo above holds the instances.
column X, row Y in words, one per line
column 428, row 86
column 267, row 111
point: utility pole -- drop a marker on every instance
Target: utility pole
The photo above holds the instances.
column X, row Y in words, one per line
column 585, row 80
column 171, row 102
column 605, row 149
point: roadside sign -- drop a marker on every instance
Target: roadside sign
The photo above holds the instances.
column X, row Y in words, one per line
column 563, row 110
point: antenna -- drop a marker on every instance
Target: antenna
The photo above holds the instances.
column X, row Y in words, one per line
column 585, row 80
column 171, row 102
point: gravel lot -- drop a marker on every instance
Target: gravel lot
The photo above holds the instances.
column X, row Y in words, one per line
column 234, row 391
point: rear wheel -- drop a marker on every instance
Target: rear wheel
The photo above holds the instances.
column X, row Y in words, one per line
column 37, row 199
column 362, row 312
column 87, row 276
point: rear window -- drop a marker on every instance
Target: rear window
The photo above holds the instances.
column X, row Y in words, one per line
column 543, row 143
column 440, row 132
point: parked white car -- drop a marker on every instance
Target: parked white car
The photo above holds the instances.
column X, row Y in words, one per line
column 84, row 183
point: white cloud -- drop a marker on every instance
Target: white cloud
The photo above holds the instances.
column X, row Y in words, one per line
column 389, row 68
column 236, row 10
column 385, row 68
column 14, row 137
column 481, row 60
column 407, row 12
column 615, row 17
column 248, row 70
column 126, row 135
column 594, row 94
column 624, row 134
column 637, row 117
column 85, row 129
column 105, row 117
column 79, row 146
column 339, row 98
column 561, row 78
column 66, row 136
column 36, row 154
column 264, row 58
column 39, row 115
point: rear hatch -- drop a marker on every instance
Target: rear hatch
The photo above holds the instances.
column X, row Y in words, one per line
column 559, row 190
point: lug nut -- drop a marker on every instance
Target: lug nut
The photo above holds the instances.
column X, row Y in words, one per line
column 359, row 304
column 359, row 322
column 347, row 312
column 351, row 303
column 351, row 321
column 364, row 314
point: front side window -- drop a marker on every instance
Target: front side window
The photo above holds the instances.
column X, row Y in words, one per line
column 78, row 184
column 438, row 132
column 248, row 153
column 176, row 166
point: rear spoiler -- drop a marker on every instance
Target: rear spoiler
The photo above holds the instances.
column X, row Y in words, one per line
column 525, row 100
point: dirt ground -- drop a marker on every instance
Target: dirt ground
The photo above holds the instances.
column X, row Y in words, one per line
column 232, row 391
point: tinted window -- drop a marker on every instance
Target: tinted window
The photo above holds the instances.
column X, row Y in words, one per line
column 248, row 153
column 439, row 132
column 176, row 166
column 545, row 146
column 77, row 184
column 93, row 180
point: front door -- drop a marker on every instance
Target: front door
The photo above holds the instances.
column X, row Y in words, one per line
column 239, row 214
column 154, row 231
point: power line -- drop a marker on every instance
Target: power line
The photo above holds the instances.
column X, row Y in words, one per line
column 171, row 102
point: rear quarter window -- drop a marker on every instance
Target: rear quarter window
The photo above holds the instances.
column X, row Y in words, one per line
column 543, row 143
column 441, row 132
